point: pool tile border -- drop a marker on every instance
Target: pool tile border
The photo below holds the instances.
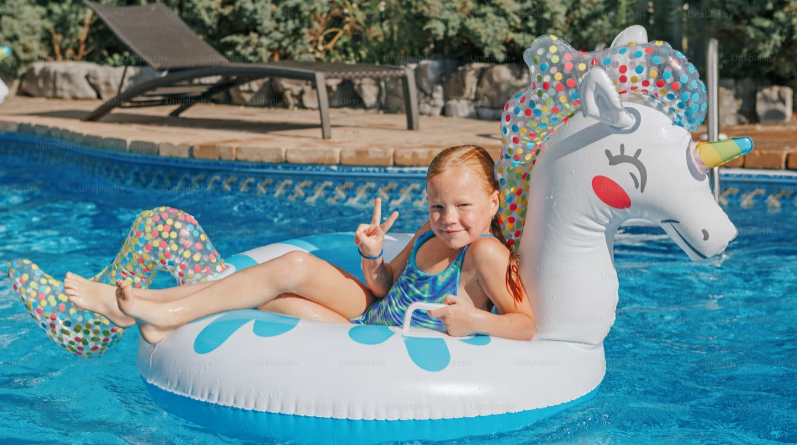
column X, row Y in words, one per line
column 774, row 190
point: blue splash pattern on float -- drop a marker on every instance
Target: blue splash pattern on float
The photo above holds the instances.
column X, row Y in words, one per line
column 430, row 354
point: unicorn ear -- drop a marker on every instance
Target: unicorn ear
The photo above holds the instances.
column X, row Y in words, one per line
column 632, row 34
column 599, row 100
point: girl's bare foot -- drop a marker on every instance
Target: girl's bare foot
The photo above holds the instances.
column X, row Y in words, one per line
column 95, row 297
column 152, row 322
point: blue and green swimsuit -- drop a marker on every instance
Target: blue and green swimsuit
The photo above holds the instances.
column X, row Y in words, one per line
column 412, row 286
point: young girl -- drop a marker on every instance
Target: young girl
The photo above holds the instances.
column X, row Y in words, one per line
column 459, row 257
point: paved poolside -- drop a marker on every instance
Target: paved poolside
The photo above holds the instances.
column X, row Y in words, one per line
column 274, row 135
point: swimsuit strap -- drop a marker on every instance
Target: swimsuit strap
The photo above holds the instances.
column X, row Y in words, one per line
column 426, row 236
column 420, row 240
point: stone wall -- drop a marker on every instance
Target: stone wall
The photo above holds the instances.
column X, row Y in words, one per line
column 445, row 87
column 79, row 80
column 748, row 101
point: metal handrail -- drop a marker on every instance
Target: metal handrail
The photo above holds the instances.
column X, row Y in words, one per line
column 712, row 62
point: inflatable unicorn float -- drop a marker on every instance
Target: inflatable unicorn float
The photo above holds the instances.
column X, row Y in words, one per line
column 606, row 136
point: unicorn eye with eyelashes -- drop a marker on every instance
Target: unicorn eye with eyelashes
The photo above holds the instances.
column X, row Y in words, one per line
column 623, row 158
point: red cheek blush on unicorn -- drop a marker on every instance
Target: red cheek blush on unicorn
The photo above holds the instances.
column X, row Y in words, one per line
column 610, row 192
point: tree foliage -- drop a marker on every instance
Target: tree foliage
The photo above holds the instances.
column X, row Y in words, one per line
column 757, row 37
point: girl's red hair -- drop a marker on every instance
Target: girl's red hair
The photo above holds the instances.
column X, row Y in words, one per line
column 478, row 162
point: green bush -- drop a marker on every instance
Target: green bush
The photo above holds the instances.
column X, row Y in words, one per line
column 757, row 38
column 255, row 30
column 469, row 30
column 22, row 28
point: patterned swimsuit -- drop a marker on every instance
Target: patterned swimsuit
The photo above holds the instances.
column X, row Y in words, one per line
column 414, row 285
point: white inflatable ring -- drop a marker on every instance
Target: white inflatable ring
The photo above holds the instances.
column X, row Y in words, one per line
column 266, row 375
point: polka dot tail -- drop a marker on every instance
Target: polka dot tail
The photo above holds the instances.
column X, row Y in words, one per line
column 162, row 239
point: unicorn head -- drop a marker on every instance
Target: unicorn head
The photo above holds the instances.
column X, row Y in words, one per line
column 616, row 160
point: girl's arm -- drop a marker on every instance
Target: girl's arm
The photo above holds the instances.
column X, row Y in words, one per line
column 516, row 319
column 381, row 276
column 515, row 322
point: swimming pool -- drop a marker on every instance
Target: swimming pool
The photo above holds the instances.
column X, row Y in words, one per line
column 700, row 353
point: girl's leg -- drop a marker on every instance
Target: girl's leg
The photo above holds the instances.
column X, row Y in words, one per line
column 297, row 306
column 101, row 297
column 296, row 272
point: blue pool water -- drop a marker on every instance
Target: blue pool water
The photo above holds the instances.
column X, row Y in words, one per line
column 700, row 352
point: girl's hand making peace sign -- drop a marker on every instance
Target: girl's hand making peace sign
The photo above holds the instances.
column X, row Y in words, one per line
column 371, row 236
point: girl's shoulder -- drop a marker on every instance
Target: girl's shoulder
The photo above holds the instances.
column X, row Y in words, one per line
column 487, row 243
column 488, row 251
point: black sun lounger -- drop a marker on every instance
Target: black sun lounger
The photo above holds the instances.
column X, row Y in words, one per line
column 161, row 38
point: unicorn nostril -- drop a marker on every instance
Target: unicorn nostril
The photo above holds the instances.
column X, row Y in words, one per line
column 705, row 235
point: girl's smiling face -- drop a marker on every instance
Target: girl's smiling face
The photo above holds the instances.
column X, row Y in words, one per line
column 460, row 210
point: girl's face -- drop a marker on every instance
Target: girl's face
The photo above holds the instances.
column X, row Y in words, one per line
column 459, row 209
